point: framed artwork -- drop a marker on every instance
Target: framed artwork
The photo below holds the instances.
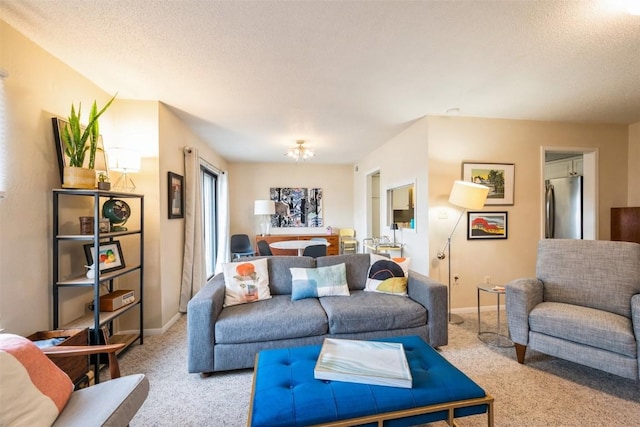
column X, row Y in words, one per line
column 297, row 207
column 101, row 164
column 499, row 177
column 176, row 196
column 109, row 256
column 486, row 225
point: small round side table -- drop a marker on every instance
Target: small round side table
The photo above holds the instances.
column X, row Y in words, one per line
column 495, row 339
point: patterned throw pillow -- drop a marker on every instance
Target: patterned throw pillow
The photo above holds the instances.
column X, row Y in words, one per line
column 34, row 389
column 388, row 275
column 319, row 282
column 246, row 281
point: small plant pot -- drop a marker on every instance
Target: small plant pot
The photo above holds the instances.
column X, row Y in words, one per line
column 104, row 186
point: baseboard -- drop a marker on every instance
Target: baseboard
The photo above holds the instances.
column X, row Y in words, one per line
column 483, row 308
column 156, row 331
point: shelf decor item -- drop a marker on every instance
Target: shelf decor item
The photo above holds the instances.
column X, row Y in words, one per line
column 109, row 256
column 117, row 212
column 74, row 142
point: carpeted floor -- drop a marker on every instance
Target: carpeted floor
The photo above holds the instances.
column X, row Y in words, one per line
column 543, row 392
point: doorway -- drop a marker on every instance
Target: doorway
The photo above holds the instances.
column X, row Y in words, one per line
column 589, row 191
column 373, row 218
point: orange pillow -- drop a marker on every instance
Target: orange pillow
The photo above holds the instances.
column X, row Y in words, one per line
column 34, row 390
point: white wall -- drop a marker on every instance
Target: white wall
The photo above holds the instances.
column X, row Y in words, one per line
column 402, row 160
column 252, row 181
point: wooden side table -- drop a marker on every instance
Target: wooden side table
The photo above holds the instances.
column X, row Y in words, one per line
column 495, row 339
column 76, row 366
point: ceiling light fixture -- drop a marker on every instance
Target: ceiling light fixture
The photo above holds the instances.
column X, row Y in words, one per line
column 299, row 152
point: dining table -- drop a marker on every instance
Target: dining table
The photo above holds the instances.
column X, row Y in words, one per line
column 300, row 245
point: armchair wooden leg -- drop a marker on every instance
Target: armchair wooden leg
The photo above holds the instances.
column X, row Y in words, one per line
column 520, row 351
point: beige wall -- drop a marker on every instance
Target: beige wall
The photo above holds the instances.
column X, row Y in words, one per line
column 38, row 88
column 439, row 145
column 633, row 198
column 252, row 181
column 454, row 140
column 174, row 136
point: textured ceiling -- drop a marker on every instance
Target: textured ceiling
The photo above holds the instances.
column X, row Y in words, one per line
column 251, row 77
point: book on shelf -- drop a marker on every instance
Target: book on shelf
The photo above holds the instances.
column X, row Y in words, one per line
column 363, row 362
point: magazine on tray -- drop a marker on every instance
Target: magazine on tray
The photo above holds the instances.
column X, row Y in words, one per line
column 364, row 362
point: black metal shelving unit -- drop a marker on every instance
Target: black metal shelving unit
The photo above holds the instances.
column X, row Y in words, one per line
column 97, row 320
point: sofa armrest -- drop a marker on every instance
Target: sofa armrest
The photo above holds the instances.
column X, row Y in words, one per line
column 432, row 295
column 202, row 312
column 521, row 296
column 635, row 322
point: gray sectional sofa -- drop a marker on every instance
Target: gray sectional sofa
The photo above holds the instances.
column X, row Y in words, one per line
column 221, row 339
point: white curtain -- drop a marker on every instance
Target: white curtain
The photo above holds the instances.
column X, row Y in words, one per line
column 223, row 221
column 193, row 264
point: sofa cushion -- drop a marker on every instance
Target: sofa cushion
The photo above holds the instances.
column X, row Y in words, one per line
column 357, row 267
column 273, row 319
column 34, row 389
column 246, row 281
column 280, row 275
column 593, row 273
column 319, row 282
column 584, row 325
column 371, row 311
column 388, row 276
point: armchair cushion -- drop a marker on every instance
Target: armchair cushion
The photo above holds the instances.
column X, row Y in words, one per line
column 33, row 389
column 583, row 325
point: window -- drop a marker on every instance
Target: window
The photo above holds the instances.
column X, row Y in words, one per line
column 209, row 218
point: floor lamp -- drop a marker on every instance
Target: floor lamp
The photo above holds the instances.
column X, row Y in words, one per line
column 467, row 195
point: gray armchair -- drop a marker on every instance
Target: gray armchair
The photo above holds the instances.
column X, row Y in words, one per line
column 583, row 305
column 37, row 392
column 109, row 403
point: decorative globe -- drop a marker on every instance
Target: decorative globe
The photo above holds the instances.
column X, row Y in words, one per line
column 117, row 212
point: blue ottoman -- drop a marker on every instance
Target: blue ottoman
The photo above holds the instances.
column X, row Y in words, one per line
column 285, row 393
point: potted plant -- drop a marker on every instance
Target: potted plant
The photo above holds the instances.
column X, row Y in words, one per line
column 79, row 141
column 103, row 182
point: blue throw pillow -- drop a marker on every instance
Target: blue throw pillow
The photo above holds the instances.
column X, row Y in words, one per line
column 319, row 282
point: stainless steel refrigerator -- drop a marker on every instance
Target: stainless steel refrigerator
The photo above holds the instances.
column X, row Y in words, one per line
column 563, row 208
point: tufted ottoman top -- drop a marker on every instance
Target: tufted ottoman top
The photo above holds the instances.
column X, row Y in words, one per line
column 285, row 392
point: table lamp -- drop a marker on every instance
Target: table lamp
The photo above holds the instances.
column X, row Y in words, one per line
column 125, row 160
column 394, row 227
column 264, row 208
column 466, row 195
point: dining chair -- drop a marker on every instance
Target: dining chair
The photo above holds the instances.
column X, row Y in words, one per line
column 315, row 251
column 263, row 248
column 348, row 241
column 241, row 246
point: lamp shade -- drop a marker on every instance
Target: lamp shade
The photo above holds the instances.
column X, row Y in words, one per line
column 123, row 159
column 468, row 195
column 264, row 207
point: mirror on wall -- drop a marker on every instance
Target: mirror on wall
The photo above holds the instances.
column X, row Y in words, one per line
column 401, row 206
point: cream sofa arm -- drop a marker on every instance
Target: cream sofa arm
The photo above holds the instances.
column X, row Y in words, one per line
column 521, row 296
